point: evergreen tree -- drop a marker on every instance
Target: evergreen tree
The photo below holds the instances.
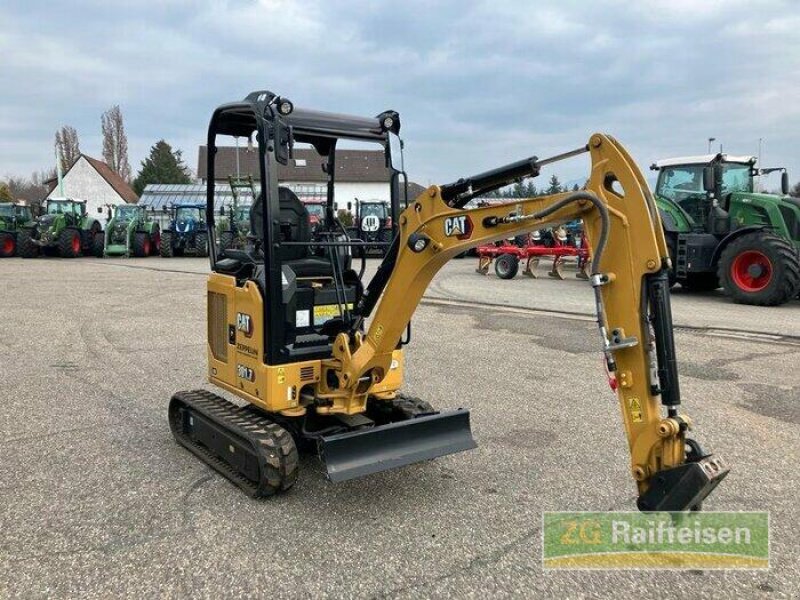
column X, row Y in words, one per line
column 555, row 185
column 164, row 165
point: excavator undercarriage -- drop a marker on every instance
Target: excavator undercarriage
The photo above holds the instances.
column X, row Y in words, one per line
column 318, row 357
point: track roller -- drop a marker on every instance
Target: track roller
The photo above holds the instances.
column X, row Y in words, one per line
column 253, row 452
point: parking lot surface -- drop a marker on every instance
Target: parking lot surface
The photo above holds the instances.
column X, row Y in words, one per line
column 99, row 501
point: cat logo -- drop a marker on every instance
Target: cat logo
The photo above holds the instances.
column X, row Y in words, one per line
column 459, row 227
column 244, row 324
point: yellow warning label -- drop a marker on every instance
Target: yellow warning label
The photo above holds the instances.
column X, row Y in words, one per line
column 281, row 375
column 326, row 312
column 636, row 410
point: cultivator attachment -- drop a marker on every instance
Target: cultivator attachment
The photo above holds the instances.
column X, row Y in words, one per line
column 375, row 449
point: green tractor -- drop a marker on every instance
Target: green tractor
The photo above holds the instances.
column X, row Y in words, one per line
column 132, row 231
column 12, row 218
column 722, row 233
column 234, row 225
column 64, row 229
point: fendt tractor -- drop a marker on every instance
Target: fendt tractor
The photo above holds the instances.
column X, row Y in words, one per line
column 187, row 232
column 132, row 231
column 722, row 233
column 234, row 224
column 63, row 229
column 372, row 224
column 12, row 218
column 317, row 355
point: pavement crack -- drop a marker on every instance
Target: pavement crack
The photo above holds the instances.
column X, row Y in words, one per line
column 474, row 563
column 193, row 487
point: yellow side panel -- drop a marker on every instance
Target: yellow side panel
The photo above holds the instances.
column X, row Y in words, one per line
column 236, row 348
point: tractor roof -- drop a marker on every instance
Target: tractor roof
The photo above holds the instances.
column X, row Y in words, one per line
column 702, row 159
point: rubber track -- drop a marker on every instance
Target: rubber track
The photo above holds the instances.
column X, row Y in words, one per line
column 270, row 443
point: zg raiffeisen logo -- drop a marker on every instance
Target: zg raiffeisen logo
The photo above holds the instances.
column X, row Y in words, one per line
column 633, row 540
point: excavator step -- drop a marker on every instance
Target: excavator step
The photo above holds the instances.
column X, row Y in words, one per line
column 375, row 449
column 254, row 453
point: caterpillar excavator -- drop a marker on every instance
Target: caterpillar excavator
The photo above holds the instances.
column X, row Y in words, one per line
column 316, row 357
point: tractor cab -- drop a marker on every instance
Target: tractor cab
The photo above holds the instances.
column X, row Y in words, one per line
column 723, row 233
column 129, row 212
column 306, row 282
column 73, row 210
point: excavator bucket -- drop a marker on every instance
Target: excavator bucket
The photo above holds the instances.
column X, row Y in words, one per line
column 366, row 451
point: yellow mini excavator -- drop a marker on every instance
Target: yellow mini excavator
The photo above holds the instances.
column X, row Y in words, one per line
column 318, row 357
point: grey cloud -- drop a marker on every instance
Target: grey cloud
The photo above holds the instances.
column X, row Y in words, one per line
column 476, row 82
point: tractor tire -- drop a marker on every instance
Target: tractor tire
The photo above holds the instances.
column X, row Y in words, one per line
column 761, row 269
column 226, row 240
column 155, row 241
column 25, row 246
column 701, row 282
column 166, row 249
column 98, row 244
column 201, row 244
column 69, row 243
column 141, row 244
column 506, row 266
column 8, row 245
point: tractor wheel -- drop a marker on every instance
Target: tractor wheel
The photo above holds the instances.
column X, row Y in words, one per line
column 226, row 240
column 760, row 268
column 142, row 246
column 701, row 282
column 166, row 249
column 155, row 241
column 98, row 244
column 25, row 246
column 201, row 244
column 8, row 245
column 69, row 243
column 506, row 266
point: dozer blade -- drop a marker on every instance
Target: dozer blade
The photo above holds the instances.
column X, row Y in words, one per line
column 367, row 451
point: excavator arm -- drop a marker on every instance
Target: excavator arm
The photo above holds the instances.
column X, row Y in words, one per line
column 629, row 278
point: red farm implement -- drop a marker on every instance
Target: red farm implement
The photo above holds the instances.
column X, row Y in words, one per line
column 557, row 244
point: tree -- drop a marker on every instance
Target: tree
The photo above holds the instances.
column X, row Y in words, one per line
column 575, row 188
column 115, row 142
column 68, row 146
column 33, row 189
column 5, row 193
column 555, row 185
column 164, row 165
column 795, row 191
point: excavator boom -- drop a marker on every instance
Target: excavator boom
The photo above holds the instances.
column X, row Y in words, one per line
column 629, row 269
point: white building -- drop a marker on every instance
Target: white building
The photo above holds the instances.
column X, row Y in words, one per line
column 93, row 180
column 360, row 174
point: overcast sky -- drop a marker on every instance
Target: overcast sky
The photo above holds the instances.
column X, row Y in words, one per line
column 476, row 83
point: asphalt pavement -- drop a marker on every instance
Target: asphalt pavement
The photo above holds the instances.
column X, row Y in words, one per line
column 99, row 501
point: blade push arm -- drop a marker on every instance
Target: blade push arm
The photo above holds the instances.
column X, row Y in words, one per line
column 629, row 276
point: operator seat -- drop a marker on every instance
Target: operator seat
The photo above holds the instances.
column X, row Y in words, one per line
column 294, row 227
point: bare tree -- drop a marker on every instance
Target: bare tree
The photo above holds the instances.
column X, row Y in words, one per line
column 33, row 189
column 68, row 146
column 115, row 142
